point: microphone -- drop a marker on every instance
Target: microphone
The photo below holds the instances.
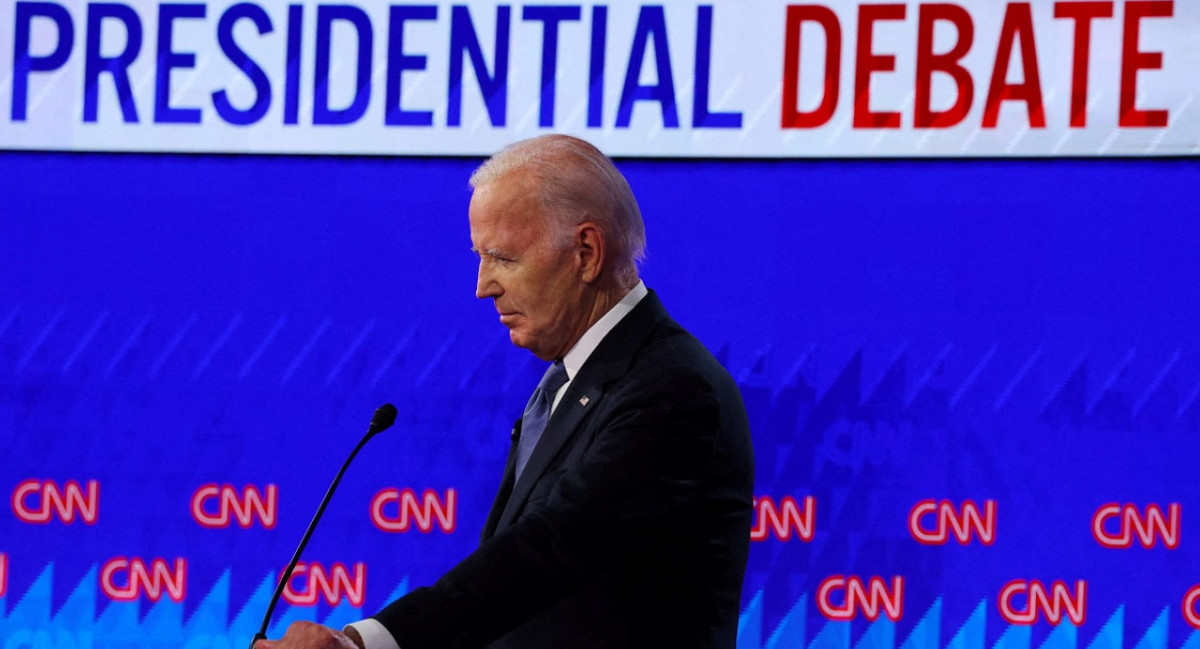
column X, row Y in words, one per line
column 383, row 419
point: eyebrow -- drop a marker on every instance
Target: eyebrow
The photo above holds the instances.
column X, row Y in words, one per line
column 493, row 252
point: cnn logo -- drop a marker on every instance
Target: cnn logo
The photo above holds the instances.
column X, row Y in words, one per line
column 1191, row 606
column 125, row 580
column 1026, row 601
column 397, row 510
column 40, row 501
column 219, row 506
column 935, row 522
column 1115, row 526
column 332, row 584
column 844, row 598
column 784, row 519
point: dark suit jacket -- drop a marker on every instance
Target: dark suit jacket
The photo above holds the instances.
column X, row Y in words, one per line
column 630, row 525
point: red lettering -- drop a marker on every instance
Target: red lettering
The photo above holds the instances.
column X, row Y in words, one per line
column 868, row 63
column 869, row 599
column 1017, row 27
column 1190, row 614
column 928, row 63
column 139, row 581
column 1148, row 528
column 3, row 574
column 66, row 503
column 964, row 527
column 1133, row 60
column 783, row 519
column 333, row 585
column 245, row 507
column 792, row 117
column 1039, row 603
column 409, row 509
column 1082, row 13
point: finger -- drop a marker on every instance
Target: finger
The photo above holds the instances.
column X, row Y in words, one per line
column 266, row 644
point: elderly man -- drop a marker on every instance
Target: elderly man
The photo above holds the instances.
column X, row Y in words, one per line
column 623, row 516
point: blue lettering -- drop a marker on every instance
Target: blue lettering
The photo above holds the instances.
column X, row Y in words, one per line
column 326, row 15
column 23, row 62
column 117, row 66
column 169, row 60
column 291, row 81
column 550, row 17
column 235, row 54
column 651, row 24
column 596, row 66
column 398, row 62
column 495, row 86
column 702, row 117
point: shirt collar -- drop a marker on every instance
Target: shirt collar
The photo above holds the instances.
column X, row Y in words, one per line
column 587, row 344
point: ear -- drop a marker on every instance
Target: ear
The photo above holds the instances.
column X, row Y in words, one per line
column 589, row 247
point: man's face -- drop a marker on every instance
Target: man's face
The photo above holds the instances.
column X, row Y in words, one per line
column 536, row 287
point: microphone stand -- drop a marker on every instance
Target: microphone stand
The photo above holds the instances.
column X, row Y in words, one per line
column 384, row 416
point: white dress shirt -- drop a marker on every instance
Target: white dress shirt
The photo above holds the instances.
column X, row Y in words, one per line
column 373, row 633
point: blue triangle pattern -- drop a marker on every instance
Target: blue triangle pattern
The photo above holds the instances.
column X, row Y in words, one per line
column 834, row 635
column 1064, row 636
column 249, row 617
column 750, row 624
column 26, row 620
column 208, row 626
column 1112, row 634
column 401, row 590
column 927, row 632
column 791, row 631
column 1015, row 637
column 32, row 610
column 343, row 614
column 971, row 634
column 881, row 634
column 117, row 626
column 163, row 625
column 1155, row 636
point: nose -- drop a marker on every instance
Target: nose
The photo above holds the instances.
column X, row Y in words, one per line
column 485, row 285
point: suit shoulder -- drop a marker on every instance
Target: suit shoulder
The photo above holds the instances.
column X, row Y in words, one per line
column 675, row 358
column 672, row 345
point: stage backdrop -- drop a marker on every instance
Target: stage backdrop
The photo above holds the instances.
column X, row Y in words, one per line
column 974, row 384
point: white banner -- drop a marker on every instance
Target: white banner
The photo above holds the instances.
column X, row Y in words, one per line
column 722, row 78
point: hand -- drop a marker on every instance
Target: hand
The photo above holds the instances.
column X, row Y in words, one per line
column 307, row 635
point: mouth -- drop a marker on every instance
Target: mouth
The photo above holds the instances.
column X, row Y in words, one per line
column 507, row 318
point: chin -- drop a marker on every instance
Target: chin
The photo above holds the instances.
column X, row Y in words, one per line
column 525, row 343
column 519, row 340
column 523, row 340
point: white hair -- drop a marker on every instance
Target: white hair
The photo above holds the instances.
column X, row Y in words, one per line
column 577, row 183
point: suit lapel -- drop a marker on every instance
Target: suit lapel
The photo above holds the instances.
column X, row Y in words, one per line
column 506, row 486
column 609, row 361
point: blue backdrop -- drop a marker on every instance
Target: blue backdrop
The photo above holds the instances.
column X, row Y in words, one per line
column 1015, row 331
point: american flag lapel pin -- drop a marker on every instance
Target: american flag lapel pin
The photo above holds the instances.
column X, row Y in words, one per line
column 583, row 401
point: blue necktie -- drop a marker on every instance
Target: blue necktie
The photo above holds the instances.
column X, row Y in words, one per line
column 537, row 412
